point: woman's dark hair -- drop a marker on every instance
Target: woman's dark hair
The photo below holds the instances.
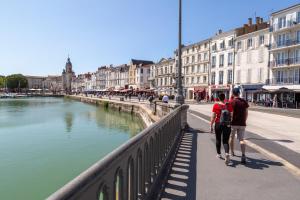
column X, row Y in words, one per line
column 222, row 96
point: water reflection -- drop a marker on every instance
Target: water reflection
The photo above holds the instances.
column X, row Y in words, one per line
column 35, row 139
column 69, row 118
column 116, row 120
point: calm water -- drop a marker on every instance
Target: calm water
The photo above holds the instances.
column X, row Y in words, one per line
column 46, row 142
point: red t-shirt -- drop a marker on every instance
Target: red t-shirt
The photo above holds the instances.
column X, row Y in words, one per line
column 217, row 109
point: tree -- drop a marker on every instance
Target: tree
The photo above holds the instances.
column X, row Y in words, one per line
column 2, row 81
column 15, row 81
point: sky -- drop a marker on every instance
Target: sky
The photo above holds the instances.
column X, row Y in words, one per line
column 36, row 36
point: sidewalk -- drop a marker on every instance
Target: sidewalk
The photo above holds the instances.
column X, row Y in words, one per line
column 198, row 174
column 282, row 130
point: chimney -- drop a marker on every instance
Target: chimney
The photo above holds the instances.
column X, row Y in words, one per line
column 261, row 20
column 257, row 20
column 220, row 31
column 250, row 21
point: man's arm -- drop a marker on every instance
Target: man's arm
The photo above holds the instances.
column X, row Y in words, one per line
column 246, row 114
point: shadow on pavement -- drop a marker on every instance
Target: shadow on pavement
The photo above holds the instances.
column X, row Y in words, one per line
column 181, row 182
column 275, row 140
column 254, row 163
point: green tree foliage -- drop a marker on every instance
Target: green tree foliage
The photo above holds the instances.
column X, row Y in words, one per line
column 2, row 81
column 16, row 80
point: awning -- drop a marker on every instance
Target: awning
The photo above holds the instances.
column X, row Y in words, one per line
column 252, row 87
column 282, row 88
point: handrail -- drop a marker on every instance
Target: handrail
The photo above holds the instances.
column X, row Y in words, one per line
column 132, row 171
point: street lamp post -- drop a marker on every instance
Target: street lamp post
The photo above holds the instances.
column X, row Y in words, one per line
column 179, row 97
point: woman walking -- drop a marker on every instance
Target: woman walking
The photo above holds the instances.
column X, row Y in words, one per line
column 221, row 118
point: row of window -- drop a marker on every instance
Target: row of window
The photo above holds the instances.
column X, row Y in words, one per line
column 283, row 22
column 287, row 39
column 196, row 69
column 192, row 59
column 193, row 80
column 164, row 70
column 221, row 60
column 198, row 48
column 250, row 42
column 288, row 76
column 222, row 44
column 221, row 76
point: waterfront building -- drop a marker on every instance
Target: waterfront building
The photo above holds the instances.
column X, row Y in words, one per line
column 123, row 75
column 101, row 73
column 152, row 77
column 35, row 82
column 93, row 81
column 79, row 83
column 251, row 58
column 53, row 84
column 285, row 57
column 222, row 60
column 142, row 76
column 87, row 82
column 165, row 76
column 137, row 77
column 195, row 64
column 109, row 79
column 67, row 76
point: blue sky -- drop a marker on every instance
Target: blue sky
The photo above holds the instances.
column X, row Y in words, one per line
column 36, row 36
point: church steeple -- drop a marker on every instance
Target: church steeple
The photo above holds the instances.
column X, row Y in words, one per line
column 68, row 65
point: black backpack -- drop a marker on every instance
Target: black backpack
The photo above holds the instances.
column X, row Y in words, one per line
column 225, row 118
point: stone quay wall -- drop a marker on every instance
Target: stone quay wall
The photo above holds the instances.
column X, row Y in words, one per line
column 140, row 110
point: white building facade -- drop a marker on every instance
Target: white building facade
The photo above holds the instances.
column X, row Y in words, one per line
column 285, row 57
column 165, row 74
column 222, row 60
column 251, row 58
column 195, row 64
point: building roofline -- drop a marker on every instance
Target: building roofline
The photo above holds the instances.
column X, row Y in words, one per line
column 224, row 34
column 247, row 34
column 197, row 43
column 285, row 9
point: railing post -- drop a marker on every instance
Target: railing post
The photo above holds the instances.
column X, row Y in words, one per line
column 183, row 114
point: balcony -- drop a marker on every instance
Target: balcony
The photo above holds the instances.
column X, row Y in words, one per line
column 284, row 81
column 285, row 43
column 285, row 62
column 289, row 24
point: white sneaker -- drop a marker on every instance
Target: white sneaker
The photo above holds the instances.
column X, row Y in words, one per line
column 219, row 156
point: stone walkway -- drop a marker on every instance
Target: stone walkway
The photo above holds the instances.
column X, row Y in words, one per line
column 282, row 130
column 198, row 174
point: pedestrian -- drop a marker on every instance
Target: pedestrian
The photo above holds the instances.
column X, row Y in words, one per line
column 221, row 118
column 139, row 97
column 240, row 114
column 165, row 99
column 129, row 96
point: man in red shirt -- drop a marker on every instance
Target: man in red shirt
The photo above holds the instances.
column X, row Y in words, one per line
column 239, row 118
column 221, row 130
